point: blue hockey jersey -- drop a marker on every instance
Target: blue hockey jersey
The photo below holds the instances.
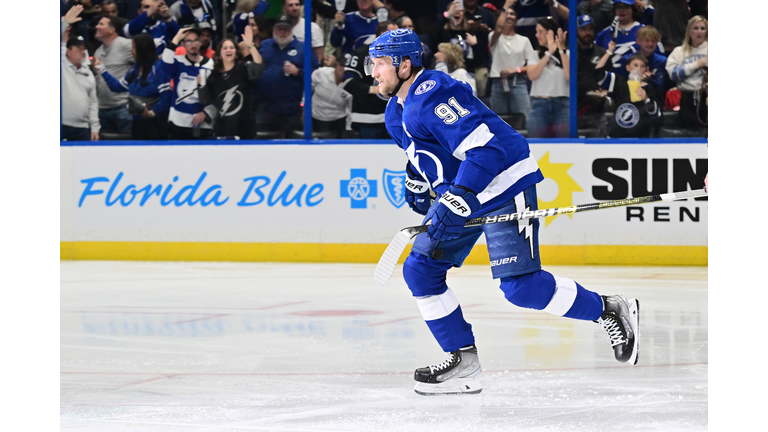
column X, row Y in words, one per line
column 626, row 43
column 452, row 138
column 186, row 102
column 358, row 30
column 162, row 32
column 156, row 86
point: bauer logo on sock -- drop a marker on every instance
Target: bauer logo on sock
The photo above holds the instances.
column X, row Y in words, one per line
column 456, row 204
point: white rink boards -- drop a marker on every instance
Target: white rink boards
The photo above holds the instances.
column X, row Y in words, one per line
column 320, row 347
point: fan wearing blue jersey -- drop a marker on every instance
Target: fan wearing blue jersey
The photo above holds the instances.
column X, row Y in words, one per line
column 150, row 22
column 188, row 72
column 355, row 29
column 477, row 166
column 623, row 32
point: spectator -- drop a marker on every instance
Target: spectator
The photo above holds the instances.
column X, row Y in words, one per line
column 549, row 71
column 115, row 56
column 206, row 37
column 148, row 21
column 395, row 9
column 79, row 104
column 149, row 91
column 599, row 11
column 623, row 33
column 670, row 19
column 648, row 39
column 108, row 8
column 454, row 29
column 480, row 21
column 449, row 58
column 368, row 105
column 593, row 62
column 405, row 22
column 292, row 8
column 244, row 11
column 259, row 26
column 687, row 66
column 190, row 12
column 186, row 117
column 227, row 92
column 636, row 104
column 529, row 12
column 509, row 50
column 331, row 104
column 281, row 86
column 354, row 29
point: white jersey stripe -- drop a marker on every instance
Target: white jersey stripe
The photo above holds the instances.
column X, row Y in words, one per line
column 507, row 178
column 478, row 138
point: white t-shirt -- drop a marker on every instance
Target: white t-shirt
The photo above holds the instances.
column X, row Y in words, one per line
column 509, row 52
column 551, row 82
column 318, row 38
column 329, row 100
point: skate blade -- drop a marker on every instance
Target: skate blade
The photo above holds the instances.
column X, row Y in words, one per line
column 634, row 310
column 454, row 386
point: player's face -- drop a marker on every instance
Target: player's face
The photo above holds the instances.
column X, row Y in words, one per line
column 384, row 72
column 698, row 33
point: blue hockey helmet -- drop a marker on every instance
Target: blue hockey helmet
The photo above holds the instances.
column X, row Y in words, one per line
column 397, row 44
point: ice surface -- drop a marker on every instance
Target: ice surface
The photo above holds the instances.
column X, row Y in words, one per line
column 322, row 347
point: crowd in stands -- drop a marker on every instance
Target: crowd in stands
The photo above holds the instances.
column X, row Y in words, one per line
column 234, row 69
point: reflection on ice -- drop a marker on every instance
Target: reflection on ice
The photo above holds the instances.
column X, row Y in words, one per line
column 310, row 347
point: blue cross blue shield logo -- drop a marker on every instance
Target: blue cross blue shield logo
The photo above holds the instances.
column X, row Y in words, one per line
column 394, row 187
column 358, row 189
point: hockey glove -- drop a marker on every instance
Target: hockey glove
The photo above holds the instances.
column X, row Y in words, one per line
column 450, row 213
column 417, row 193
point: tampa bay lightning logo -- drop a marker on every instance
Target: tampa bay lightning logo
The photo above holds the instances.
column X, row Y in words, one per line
column 399, row 32
column 425, row 87
column 292, row 52
column 627, row 116
column 394, row 187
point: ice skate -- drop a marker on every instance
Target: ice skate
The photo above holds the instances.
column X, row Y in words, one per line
column 456, row 375
column 621, row 319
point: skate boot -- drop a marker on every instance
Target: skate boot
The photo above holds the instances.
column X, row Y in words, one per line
column 621, row 319
column 456, row 375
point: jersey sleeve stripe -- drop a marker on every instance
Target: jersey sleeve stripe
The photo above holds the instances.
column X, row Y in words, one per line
column 508, row 178
column 478, row 138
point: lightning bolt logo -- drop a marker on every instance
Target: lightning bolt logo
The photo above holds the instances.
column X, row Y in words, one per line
column 525, row 225
column 226, row 102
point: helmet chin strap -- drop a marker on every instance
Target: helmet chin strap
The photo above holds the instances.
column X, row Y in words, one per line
column 399, row 84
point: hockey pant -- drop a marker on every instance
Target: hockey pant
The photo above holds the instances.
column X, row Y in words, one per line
column 515, row 261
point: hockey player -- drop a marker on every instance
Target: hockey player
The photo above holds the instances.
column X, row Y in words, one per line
column 477, row 166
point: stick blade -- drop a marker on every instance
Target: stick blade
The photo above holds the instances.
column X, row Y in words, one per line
column 388, row 260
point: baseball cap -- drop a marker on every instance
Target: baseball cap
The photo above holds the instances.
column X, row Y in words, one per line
column 626, row 2
column 583, row 20
column 283, row 20
column 75, row 41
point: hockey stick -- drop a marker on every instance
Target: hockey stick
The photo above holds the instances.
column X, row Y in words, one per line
column 388, row 260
